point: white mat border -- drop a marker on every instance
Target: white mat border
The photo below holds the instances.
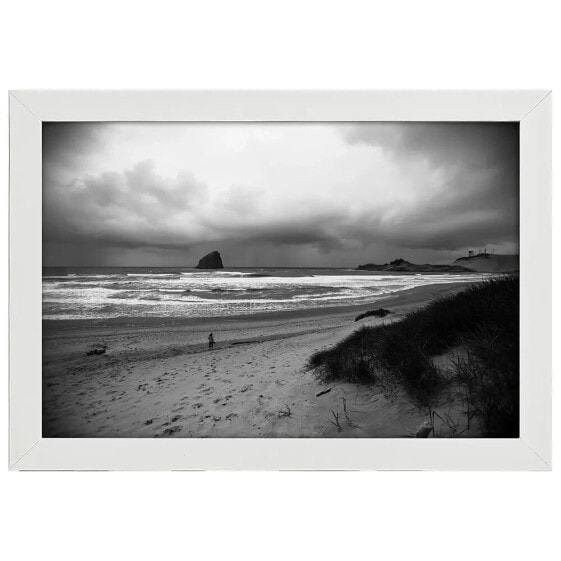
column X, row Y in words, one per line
column 29, row 451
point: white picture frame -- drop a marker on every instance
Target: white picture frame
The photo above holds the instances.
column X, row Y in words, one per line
column 29, row 451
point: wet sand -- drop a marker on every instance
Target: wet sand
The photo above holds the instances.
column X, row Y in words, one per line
column 158, row 378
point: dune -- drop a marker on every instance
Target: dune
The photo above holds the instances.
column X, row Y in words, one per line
column 465, row 344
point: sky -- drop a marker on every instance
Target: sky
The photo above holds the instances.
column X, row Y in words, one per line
column 277, row 194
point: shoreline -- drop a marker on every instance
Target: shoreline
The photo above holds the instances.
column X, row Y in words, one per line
column 405, row 297
column 160, row 380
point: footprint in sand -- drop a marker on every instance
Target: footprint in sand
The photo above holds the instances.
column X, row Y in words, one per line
column 149, row 422
column 231, row 416
column 176, row 418
column 223, row 399
column 171, row 431
column 197, row 405
column 246, row 388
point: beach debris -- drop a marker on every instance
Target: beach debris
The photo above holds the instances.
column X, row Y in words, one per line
column 287, row 412
column 424, row 430
column 323, row 392
column 380, row 313
column 97, row 350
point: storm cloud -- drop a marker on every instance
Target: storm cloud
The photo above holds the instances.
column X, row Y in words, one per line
column 268, row 194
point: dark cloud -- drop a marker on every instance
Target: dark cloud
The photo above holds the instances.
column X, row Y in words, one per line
column 65, row 144
column 479, row 203
column 136, row 208
column 464, row 144
column 143, row 216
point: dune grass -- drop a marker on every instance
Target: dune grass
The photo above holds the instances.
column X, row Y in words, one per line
column 482, row 319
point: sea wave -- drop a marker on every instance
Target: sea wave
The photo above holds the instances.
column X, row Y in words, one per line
column 133, row 295
column 226, row 274
column 154, row 275
column 178, row 293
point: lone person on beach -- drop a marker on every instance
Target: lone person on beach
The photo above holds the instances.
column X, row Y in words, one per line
column 210, row 341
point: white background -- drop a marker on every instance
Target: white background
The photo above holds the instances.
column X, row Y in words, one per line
column 323, row 45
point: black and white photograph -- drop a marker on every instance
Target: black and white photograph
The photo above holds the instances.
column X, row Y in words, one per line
column 280, row 280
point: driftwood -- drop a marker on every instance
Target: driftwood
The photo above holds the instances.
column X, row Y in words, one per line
column 97, row 350
column 323, row 392
column 424, row 430
column 379, row 313
column 427, row 427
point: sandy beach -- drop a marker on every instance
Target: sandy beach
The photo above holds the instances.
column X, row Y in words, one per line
column 157, row 377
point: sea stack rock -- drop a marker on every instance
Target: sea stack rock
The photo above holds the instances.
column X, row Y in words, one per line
column 211, row 261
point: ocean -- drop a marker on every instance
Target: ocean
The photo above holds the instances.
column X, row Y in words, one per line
column 113, row 292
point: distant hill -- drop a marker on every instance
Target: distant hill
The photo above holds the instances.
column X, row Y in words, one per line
column 488, row 263
column 403, row 266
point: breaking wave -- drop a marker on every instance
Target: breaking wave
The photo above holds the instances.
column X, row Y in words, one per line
column 175, row 292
